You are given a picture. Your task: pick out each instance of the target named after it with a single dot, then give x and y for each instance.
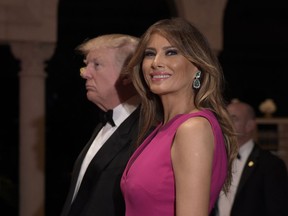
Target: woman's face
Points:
(165, 69)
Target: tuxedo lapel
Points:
(76, 170)
(125, 135)
(250, 166)
(81, 156)
(116, 142)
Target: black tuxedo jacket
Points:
(100, 193)
(263, 187)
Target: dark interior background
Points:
(254, 56)
(254, 60)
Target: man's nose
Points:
(83, 72)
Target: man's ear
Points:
(126, 80)
(251, 125)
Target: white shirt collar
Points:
(123, 110)
(246, 149)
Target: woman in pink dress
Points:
(182, 166)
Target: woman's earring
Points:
(196, 82)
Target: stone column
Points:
(32, 125)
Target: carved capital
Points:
(32, 56)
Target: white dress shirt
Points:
(120, 113)
(225, 202)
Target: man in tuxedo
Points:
(260, 182)
(95, 182)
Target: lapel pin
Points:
(251, 163)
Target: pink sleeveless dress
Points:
(148, 181)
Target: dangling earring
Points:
(196, 82)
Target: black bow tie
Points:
(107, 117)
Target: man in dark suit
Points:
(260, 182)
(95, 183)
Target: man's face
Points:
(101, 73)
(241, 122)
